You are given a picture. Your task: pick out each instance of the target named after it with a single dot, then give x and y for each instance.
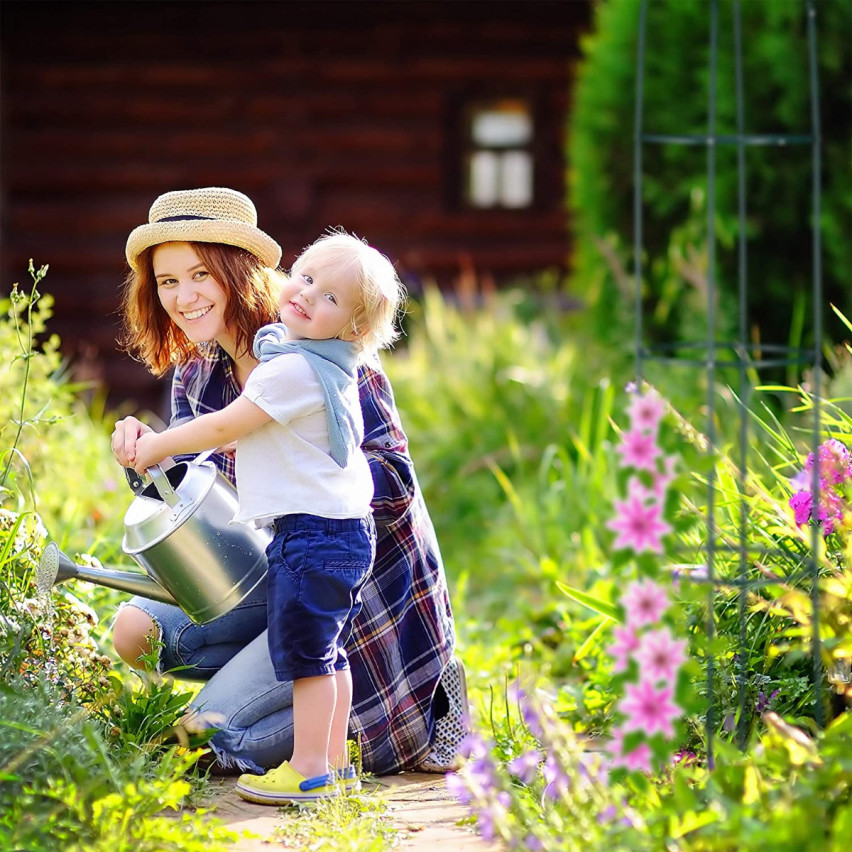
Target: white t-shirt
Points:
(284, 467)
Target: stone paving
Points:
(419, 804)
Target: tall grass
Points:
(508, 429)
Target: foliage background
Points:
(778, 188)
(512, 410)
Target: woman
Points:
(198, 310)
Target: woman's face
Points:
(190, 295)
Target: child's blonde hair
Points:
(381, 293)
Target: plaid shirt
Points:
(403, 636)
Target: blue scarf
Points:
(335, 363)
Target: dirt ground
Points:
(419, 804)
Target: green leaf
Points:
(601, 607)
(591, 639)
(691, 821)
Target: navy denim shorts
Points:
(317, 567)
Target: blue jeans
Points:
(317, 568)
(241, 696)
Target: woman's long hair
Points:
(148, 332)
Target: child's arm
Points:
(209, 430)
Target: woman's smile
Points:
(190, 295)
(197, 313)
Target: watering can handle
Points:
(163, 486)
(202, 457)
(135, 481)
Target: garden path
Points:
(419, 805)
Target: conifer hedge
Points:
(779, 189)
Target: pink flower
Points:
(637, 489)
(664, 477)
(801, 503)
(649, 709)
(835, 464)
(644, 601)
(660, 655)
(639, 524)
(646, 411)
(638, 450)
(638, 758)
(626, 642)
(829, 512)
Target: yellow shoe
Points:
(283, 786)
(348, 777)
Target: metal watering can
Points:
(179, 529)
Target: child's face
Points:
(318, 301)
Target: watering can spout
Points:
(55, 567)
(179, 530)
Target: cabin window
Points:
(498, 166)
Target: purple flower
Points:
(830, 511)
(457, 788)
(482, 772)
(556, 780)
(835, 465)
(485, 824)
(835, 469)
(801, 481)
(472, 745)
(487, 817)
(764, 701)
(525, 766)
(532, 720)
(608, 814)
(801, 503)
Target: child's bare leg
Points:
(314, 701)
(337, 752)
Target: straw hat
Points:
(210, 215)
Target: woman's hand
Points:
(124, 437)
(228, 449)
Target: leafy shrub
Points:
(86, 761)
(778, 189)
(61, 464)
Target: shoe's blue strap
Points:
(317, 781)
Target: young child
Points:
(299, 466)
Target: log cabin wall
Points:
(324, 113)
